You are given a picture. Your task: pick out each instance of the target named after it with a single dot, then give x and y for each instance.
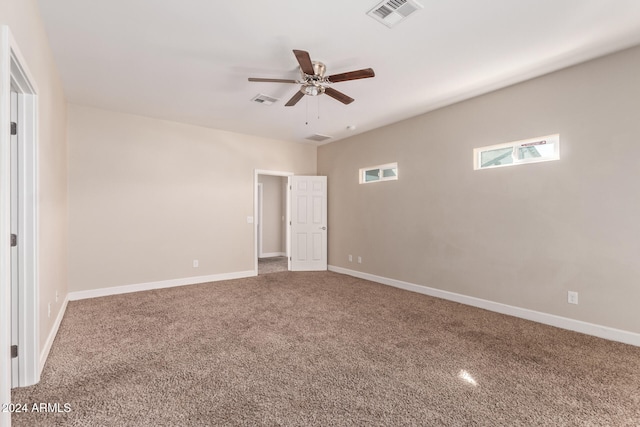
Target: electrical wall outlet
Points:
(350, 258)
(359, 260)
(572, 297)
(57, 295)
(195, 263)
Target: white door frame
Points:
(259, 218)
(15, 225)
(257, 172)
(13, 72)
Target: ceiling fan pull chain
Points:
(307, 116)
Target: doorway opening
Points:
(271, 220)
(305, 220)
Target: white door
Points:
(308, 223)
(15, 380)
(259, 218)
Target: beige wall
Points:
(23, 19)
(147, 197)
(273, 211)
(521, 235)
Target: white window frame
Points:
(381, 169)
(516, 145)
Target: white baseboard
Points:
(272, 254)
(44, 352)
(102, 292)
(605, 332)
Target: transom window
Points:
(541, 149)
(379, 173)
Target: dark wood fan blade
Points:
(305, 61)
(338, 95)
(256, 79)
(352, 75)
(294, 99)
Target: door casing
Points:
(15, 75)
(256, 214)
(15, 250)
(259, 218)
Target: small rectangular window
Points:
(541, 149)
(386, 172)
(389, 173)
(372, 175)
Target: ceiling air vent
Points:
(264, 99)
(390, 12)
(319, 137)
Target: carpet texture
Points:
(323, 349)
(272, 264)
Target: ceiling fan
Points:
(313, 81)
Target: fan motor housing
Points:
(313, 84)
(319, 68)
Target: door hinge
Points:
(14, 128)
(14, 240)
(14, 351)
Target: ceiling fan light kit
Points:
(314, 82)
(312, 90)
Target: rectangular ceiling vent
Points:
(319, 137)
(390, 12)
(264, 99)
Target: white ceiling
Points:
(189, 60)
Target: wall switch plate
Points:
(195, 263)
(57, 295)
(49, 310)
(350, 258)
(572, 297)
(359, 260)
(249, 220)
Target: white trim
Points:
(5, 226)
(13, 70)
(381, 169)
(117, 290)
(516, 160)
(272, 254)
(44, 353)
(287, 223)
(259, 218)
(257, 172)
(600, 331)
(29, 331)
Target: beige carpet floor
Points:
(272, 265)
(323, 349)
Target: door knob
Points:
(323, 228)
